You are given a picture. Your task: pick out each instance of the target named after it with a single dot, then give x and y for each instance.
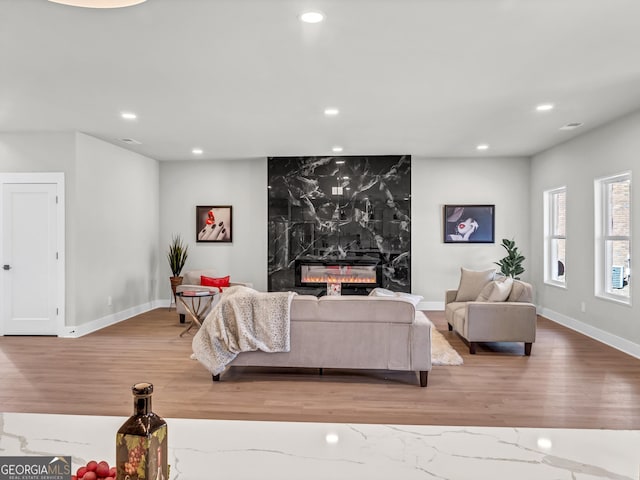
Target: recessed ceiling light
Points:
(339, 162)
(99, 3)
(128, 115)
(197, 151)
(545, 107)
(571, 126)
(482, 146)
(312, 17)
(337, 149)
(331, 111)
(345, 178)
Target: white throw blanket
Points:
(243, 320)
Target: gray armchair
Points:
(513, 320)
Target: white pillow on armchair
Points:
(496, 291)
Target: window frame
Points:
(550, 235)
(603, 211)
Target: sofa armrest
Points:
(421, 342)
(501, 322)
(244, 284)
(450, 296)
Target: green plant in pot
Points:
(511, 265)
(177, 256)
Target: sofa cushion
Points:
(496, 291)
(459, 321)
(521, 292)
(383, 292)
(471, 283)
(413, 298)
(192, 277)
(352, 308)
(452, 308)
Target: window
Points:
(613, 237)
(555, 236)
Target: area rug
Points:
(442, 353)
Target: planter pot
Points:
(175, 281)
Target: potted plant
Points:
(177, 256)
(511, 265)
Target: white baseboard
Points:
(607, 338)
(100, 323)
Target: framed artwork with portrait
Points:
(469, 223)
(213, 223)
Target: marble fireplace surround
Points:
(340, 210)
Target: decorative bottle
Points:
(141, 441)
(159, 473)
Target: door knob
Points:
(6, 267)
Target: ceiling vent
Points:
(571, 126)
(130, 141)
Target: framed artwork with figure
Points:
(213, 223)
(469, 223)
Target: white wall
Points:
(608, 150)
(118, 231)
(239, 183)
(37, 152)
(47, 152)
(435, 182)
(503, 182)
(111, 231)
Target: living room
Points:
(123, 207)
(120, 191)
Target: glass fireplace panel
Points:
(338, 274)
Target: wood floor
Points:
(569, 381)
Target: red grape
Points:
(92, 465)
(103, 469)
(90, 476)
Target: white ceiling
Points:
(245, 78)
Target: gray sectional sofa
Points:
(352, 332)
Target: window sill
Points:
(551, 283)
(626, 301)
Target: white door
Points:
(29, 259)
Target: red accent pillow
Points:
(214, 282)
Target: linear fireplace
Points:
(355, 272)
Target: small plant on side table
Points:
(177, 257)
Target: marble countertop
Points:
(227, 449)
